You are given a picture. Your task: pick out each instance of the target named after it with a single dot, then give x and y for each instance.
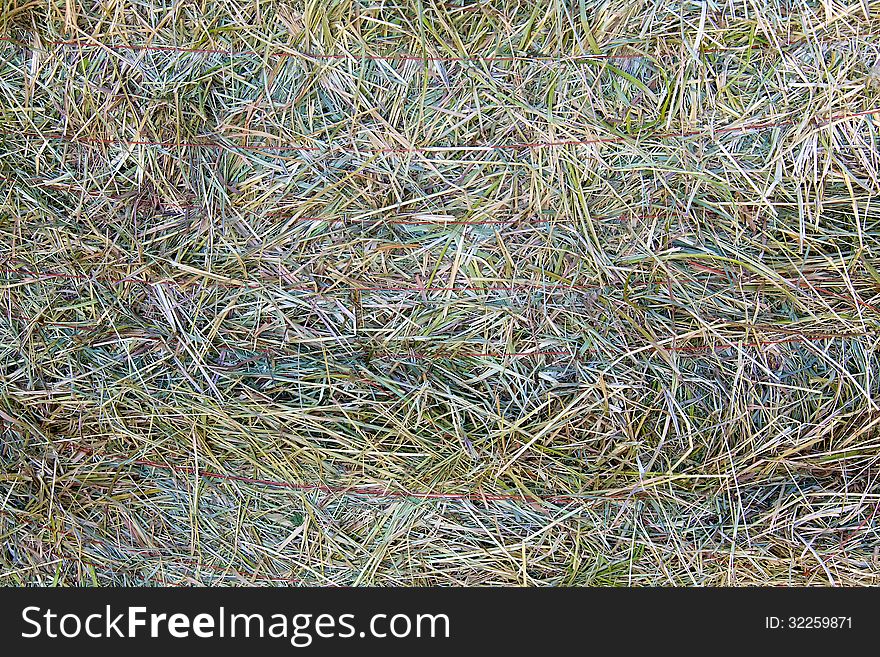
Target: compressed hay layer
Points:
(439, 293)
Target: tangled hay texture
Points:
(421, 292)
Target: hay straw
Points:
(439, 293)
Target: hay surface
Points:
(439, 293)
